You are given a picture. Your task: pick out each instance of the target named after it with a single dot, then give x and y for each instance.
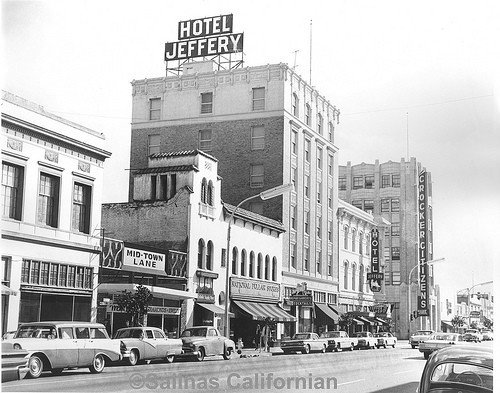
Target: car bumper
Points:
(14, 373)
(293, 348)
(125, 354)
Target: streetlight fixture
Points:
(432, 261)
(264, 195)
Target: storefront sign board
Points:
(244, 288)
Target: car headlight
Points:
(17, 346)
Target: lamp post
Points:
(268, 194)
(409, 287)
(469, 299)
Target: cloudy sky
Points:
(384, 64)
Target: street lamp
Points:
(409, 287)
(264, 195)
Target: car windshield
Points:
(129, 333)
(471, 331)
(330, 335)
(301, 336)
(424, 332)
(462, 373)
(362, 334)
(444, 337)
(37, 331)
(200, 332)
(381, 335)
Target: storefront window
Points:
(82, 308)
(29, 307)
(57, 308)
(44, 277)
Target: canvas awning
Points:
(261, 311)
(215, 309)
(383, 322)
(357, 321)
(336, 310)
(366, 320)
(447, 323)
(328, 312)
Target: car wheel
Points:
(201, 354)
(35, 365)
(307, 349)
(97, 364)
(56, 371)
(227, 353)
(134, 357)
(324, 349)
(426, 355)
(413, 346)
(170, 358)
(394, 345)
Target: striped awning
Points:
(328, 312)
(381, 321)
(261, 311)
(215, 309)
(357, 321)
(366, 320)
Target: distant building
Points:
(52, 180)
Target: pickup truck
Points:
(305, 343)
(339, 340)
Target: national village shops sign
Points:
(242, 288)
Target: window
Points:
(201, 253)
(48, 200)
(294, 142)
(394, 205)
(35, 272)
(294, 178)
(367, 245)
(82, 332)
(320, 157)
(330, 264)
(81, 208)
(396, 278)
(223, 258)
(346, 274)
(158, 334)
(307, 185)
(153, 144)
(306, 222)
(66, 333)
(293, 255)
(318, 262)
(385, 205)
(353, 240)
(346, 237)
(256, 176)
(386, 181)
(54, 274)
(149, 334)
(368, 205)
(210, 193)
(395, 230)
(353, 277)
(369, 180)
(320, 124)
(294, 217)
(361, 278)
(318, 227)
(258, 99)
(396, 180)
(204, 186)
(258, 137)
(307, 150)
(330, 231)
(205, 140)
(79, 277)
(395, 253)
(358, 203)
(266, 268)
(330, 131)
(275, 269)
(319, 187)
(154, 109)
(259, 265)
(44, 273)
(63, 272)
(243, 266)
(308, 115)
(206, 102)
(330, 165)
(330, 198)
(332, 298)
(342, 183)
(295, 105)
(235, 261)
(257, 207)
(251, 264)
(360, 244)
(12, 190)
(357, 182)
(306, 259)
(209, 256)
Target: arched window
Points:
(275, 268)
(204, 190)
(320, 124)
(259, 265)
(346, 238)
(361, 277)
(361, 236)
(235, 261)
(353, 277)
(308, 115)
(243, 266)
(368, 241)
(210, 255)
(251, 265)
(346, 274)
(353, 240)
(295, 105)
(266, 268)
(330, 131)
(201, 253)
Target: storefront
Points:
(327, 318)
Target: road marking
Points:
(347, 383)
(402, 372)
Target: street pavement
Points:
(378, 370)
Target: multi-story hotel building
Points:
(266, 126)
(390, 190)
(52, 179)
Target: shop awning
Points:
(383, 322)
(215, 309)
(357, 321)
(261, 311)
(7, 291)
(366, 320)
(446, 323)
(335, 309)
(161, 292)
(328, 311)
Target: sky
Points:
(418, 74)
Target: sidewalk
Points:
(251, 352)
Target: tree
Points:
(345, 321)
(473, 325)
(135, 305)
(457, 321)
(488, 323)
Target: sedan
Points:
(305, 343)
(14, 363)
(385, 339)
(147, 343)
(438, 341)
(366, 340)
(202, 341)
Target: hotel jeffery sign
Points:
(204, 37)
(423, 251)
(375, 277)
(252, 289)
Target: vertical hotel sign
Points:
(423, 251)
(375, 277)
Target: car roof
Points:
(63, 323)
(481, 356)
(139, 327)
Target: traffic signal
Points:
(478, 295)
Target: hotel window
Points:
(330, 164)
(385, 205)
(153, 144)
(258, 99)
(295, 136)
(256, 176)
(306, 259)
(318, 227)
(320, 124)
(386, 181)
(330, 264)
(320, 157)
(395, 230)
(330, 131)
(330, 231)
(306, 222)
(346, 237)
(358, 203)
(396, 180)
(394, 205)
(294, 217)
(346, 275)
(330, 198)
(295, 105)
(259, 265)
(48, 200)
(205, 140)
(319, 187)
(258, 137)
(342, 183)
(81, 208)
(307, 185)
(308, 115)
(293, 255)
(154, 108)
(368, 205)
(294, 178)
(12, 190)
(307, 150)
(251, 265)
(353, 240)
(357, 182)
(395, 253)
(318, 262)
(206, 102)
(369, 180)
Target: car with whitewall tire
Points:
(366, 340)
(385, 339)
(202, 341)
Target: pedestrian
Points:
(257, 337)
(265, 336)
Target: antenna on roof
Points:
(295, 59)
(310, 50)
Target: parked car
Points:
(147, 343)
(8, 335)
(487, 335)
(438, 341)
(385, 339)
(202, 341)
(366, 340)
(472, 335)
(458, 369)
(305, 343)
(419, 337)
(55, 346)
(14, 362)
(339, 340)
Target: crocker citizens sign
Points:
(423, 291)
(143, 261)
(243, 289)
(204, 37)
